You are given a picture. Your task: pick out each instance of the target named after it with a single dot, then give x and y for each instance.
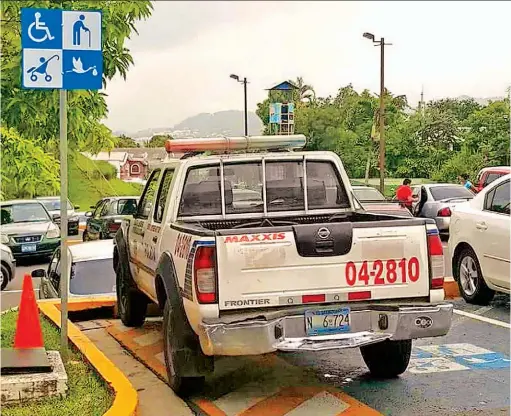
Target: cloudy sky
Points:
(186, 51)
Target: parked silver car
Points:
(52, 205)
(8, 266)
(437, 200)
(28, 229)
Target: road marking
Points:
(323, 403)
(256, 395)
(454, 357)
(482, 318)
(15, 291)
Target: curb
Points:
(126, 397)
(451, 289)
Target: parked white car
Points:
(479, 243)
(90, 270)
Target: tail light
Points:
(444, 212)
(113, 227)
(436, 260)
(205, 276)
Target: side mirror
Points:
(55, 217)
(77, 206)
(88, 214)
(39, 273)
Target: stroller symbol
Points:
(42, 69)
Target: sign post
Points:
(61, 49)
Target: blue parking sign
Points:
(61, 49)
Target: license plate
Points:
(28, 248)
(327, 322)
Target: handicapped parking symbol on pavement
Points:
(454, 357)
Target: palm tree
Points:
(306, 92)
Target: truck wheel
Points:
(85, 236)
(387, 359)
(174, 341)
(131, 304)
(470, 279)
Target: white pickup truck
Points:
(254, 252)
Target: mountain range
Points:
(221, 123)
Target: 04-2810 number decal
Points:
(383, 272)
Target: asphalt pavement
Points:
(464, 373)
(10, 297)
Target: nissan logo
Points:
(423, 322)
(323, 233)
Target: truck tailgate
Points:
(321, 263)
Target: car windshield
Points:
(440, 193)
(126, 206)
(92, 277)
(368, 194)
(54, 204)
(244, 188)
(23, 213)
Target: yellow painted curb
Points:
(126, 397)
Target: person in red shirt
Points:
(404, 194)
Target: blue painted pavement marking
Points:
(484, 361)
(455, 357)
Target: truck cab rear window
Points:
(243, 188)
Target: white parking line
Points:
(482, 318)
(16, 291)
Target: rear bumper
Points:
(287, 333)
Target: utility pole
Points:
(382, 116)
(382, 45)
(246, 105)
(244, 82)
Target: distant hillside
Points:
(478, 100)
(226, 123)
(90, 181)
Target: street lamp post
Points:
(244, 82)
(382, 45)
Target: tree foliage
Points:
(124, 141)
(448, 137)
(158, 140)
(27, 170)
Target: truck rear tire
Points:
(131, 303)
(174, 341)
(387, 359)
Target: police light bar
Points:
(226, 144)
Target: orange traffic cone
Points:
(28, 327)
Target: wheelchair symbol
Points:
(41, 27)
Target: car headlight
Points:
(53, 233)
(4, 239)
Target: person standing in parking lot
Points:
(404, 194)
(463, 178)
